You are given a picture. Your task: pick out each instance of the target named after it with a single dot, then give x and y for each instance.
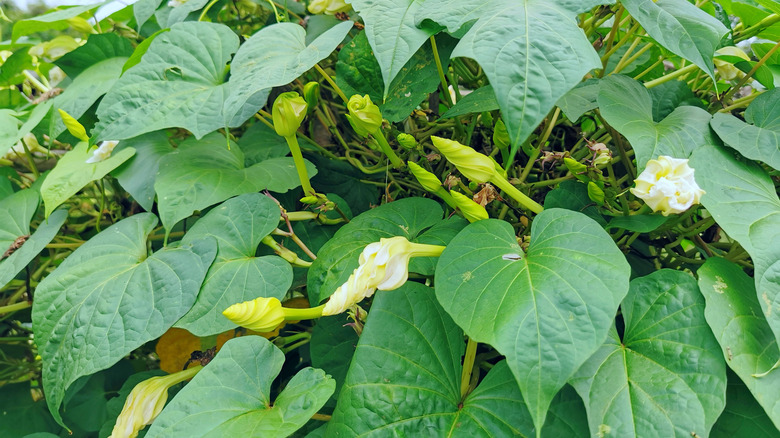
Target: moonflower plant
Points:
(265, 314)
(102, 152)
(146, 401)
(667, 185)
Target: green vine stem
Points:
(468, 367)
(385, 146)
(675, 74)
(332, 83)
(752, 71)
(15, 307)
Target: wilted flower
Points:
(384, 265)
(288, 113)
(146, 401)
(102, 152)
(602, 154)
(364, 116)
(328, 7)
(667, 185)
(471, 210)
(265, 314)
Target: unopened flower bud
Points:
(289, 110)
(74, 127)
(311, 93)
(407, 141)
(364, 116)
(261, 314)
(471, 210)
(473, 165)
(426, 179)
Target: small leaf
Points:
(670, 95)
(664, 378)
(736, 318)
(231, 396)
(580, 99)
(642, 223)
(546, 310)
(238, 225)
(72, 173)
(759, 140)
(100, 303)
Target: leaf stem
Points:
(15, 307)
(444, 87)
(379, 136)
(332, 83)
(675, 74)
(468, 367)
(300, 165)
(208, 6)
(538, 149)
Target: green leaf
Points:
(13, 67)
(72, 173)
(546, 310)
(664, 378)
(143, 10)
(512, 42)
(680, 27)
(180, 82)
(46, 231)
(56, 20)
(9, 138)
(231, 396)
(274, 56)
(743, 200)
(627, 106)
(670, 95)
(339, 257)
(392, 33)
(760, 139)
(260, 142)
(137, 175)
(180, 12)
(108, 298)
(735, 316)
(205, 172)
(480, 100)
(99, 47)
(580, 99)
(405, 379)
(21, 414)
(332, 346)
(16, 212)
(238, 225)
(573, 195)
(743, 416)
(440, 234)
(642, 223)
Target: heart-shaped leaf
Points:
(231, 396)
(339, 257)
(748, 344)
(681, 27)
(204, 172)
(546, 310)
(743, 416)
(743, 200)
(628, 107)
(332, 346)
(137, 175)
(34, 244)
(760, 139)
(411, 349)
(108, 298)
(73, 172)
(512, 41)
(236, 275)
(665, 378)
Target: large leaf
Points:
(46, 231)
(99, 47)
(743, 200)
(681, 27)
(391, 31)
(108, 298)
(748, 344)
(628, 107)
(669, 95)
(742, 416)
(73, 172)
(665, 378)
(137, 175)
(180, 82)
(204, 172)
(547, 310)
(532, 51)
(236, 275)
(404, 380)
(759, 138)
(339, 257)
(231, 396)
(274, 56)
(332, 346)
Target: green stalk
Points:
(444, 87)
(385, 146)
(675, 74)
(15, 307)
(517, 195)
(300, 165)
(468, 367)
(752, 71)
(332, 83)
(293, 314)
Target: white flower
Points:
(384, 265)
(328, 7)
(102, 152)
(667, 185)
(146, 401)
(175, 3)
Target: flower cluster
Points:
(667, 185)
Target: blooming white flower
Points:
(146, 401)
(667, 185)
(384, 265)
(102, 152)
(328, 7)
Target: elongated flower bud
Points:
(146, 401)
(261, 314)
(473, 165)
(288, 113)
(426, 179)
(311, 93)
(74, 127)
(364, 116)
(471, 210)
